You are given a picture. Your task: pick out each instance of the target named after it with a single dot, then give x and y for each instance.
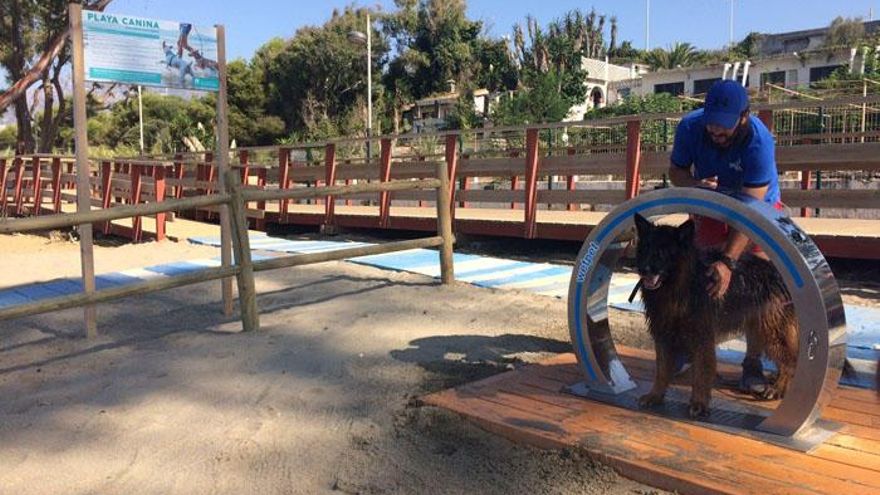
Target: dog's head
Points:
(660, 249)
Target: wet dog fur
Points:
(684, 319)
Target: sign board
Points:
(135, 50)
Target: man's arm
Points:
(737, 242)
(681, 177)
(719, 273)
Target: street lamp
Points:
(360, 38)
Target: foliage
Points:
(637, 105)
(678, 55)
(436, 43)
(320, 75)
(845, 31)
(749, 46)
(539, 102)
(7, 139)
(463, 115)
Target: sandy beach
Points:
(173, 398)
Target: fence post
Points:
(19, 178)
(37, 185)
(444, 221)
(179, 173)
(136, 181)
(514, 181)
(284, 165)
(159, 191)
(633, 157)
(384, 176)
(451, 170)
(56, 184)
(3, 172)
(329, 226)
(106, 191)
(241, 245)
(531, 186)
(805, 185)
(571, 183)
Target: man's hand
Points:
(719, 279)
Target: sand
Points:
(173, 398)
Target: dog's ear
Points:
(686, 232)
(643, 226)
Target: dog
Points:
(685, 320)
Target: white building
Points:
(600, 75)
(793, 59)
(788, 69)
(430, 114)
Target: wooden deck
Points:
(529, 406)
(836, 237)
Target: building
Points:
(430, 114)
(793, 59)
(600, 75)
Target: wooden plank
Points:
(593, 164)
(584, 196)
(854, 156)
(526, 405)
(833, 198)
(492, 195)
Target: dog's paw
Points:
(650, 400)
(698, 409)
(770, 392)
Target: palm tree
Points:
(679, 55)
(612, 45)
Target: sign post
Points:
(134, 50)
(222, 167)
(83, 188)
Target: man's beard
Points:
(739, 133)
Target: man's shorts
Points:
(712, 234)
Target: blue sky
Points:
(702, 22)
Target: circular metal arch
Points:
(814, 292)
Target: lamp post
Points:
(360, 38)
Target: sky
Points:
(704, 23)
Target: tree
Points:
(249, 124)
(845, 32)
(678, 55)
(31, 28)
(436, 43)
(463, 115)
(749, 47)
(539, 102)
(318, 80)
(551, 62)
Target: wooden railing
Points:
(519, 163)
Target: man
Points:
(722, 146)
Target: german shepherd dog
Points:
(685, 320)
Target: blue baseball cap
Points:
(725, 102)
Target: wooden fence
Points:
(235, 197)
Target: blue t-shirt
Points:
(750, 162)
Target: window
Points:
(701, 86)
(675, 89)
(777, 78)
(819, 73)
(795, 44)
